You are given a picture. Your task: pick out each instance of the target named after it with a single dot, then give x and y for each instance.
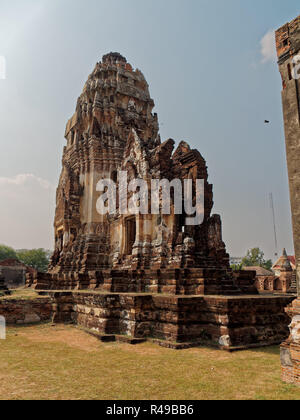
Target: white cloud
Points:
(268, 47)
(27, 205)
(25, 180)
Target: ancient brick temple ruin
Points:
(113, 130)
(14, 273)
(144, 275)
(285, 274)
(282, 278)
(288, 49)
(3, 287)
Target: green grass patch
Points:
(63, 362)
(21, 294)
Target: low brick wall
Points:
(18, 311)
(229, 322)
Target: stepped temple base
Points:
(231, 323)
(172, 281)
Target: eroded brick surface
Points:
(18, 312)
(223, 321)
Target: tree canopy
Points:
(35, 258)
(7, 252)
(255, 257)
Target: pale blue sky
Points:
(212, 88)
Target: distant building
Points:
(236, 260)
(14, 273)
(281, 279)
(265, 279)
(282, 261)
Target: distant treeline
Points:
(35, 258)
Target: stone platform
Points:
(170, 281)
(231, 323)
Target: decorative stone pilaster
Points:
(290, 349)
(189, 250)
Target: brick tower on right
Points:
(288, 50)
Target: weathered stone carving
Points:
(113, 130)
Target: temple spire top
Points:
(113, 57)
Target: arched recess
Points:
(130, 234)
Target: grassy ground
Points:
(22, 293)
(62, 362)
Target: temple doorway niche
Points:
(181, 222)
(60, 239)
(130, 234)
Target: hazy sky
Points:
(213, 76)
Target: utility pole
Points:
(274, 224)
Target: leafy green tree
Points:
(237, 267)
(255, 257)
(35, 258)
(7, 252)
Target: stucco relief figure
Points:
(295, 329)
(162, 234)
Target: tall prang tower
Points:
(113, 131)
(288, 47)
(114, 101)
